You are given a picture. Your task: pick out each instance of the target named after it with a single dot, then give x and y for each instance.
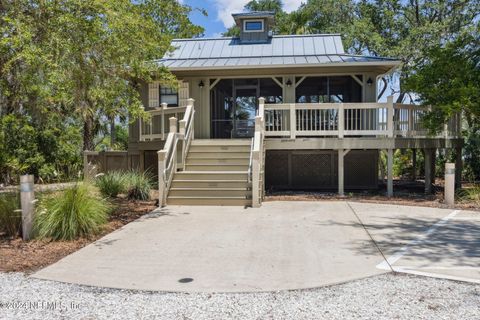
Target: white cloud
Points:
(225, 8)
(291, 5)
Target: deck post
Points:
(27, 199)
(390, 172)
(433, 172)
(428, 170)
(341, 171)
(390, 113)
(414, 164)
(341, 120)
(293, 121)
(459, 167)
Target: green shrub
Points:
(471, 195)
(138, 185)
(112, 183)
(75, 212)
(10, 214)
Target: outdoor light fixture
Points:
(288, 83)
(369, 81)
(201, 84)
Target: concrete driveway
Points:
(282, 245)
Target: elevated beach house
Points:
(262, 111)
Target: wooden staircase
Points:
(216, 173)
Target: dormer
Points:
(255, 27)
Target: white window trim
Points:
(257, 20)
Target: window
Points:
(253, 26)
(169, 96)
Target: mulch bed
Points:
(17, 255)
(398, 199)
(407, 193)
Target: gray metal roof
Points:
(254, 14)
(280, 51)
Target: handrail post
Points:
(161, 178)
(261, 106)
(173, 124)
(191, 103)
(162, 118)
(390, 112)
(293, 121)
(341, 120)
(181, 137)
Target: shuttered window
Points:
(169, 96)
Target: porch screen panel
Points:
(275, 120)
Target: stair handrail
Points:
(250, 162)
(167, 162)
(168, 157)
(186, 131)
(257, 155)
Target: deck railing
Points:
(156, 127)
(381, 119)
(179, 138)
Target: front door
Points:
(245, 108)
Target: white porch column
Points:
(390, 172)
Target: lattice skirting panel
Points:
(318, 169)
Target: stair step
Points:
(215, 155)
(219, 161)
(210, 184)
(220, 149)
(209, 201)
(216, 167)
(221, 142)
(210, 192)
(213, 175)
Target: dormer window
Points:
(253, 26)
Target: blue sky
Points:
(219, 13)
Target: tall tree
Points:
(85, 57)
(448, 79)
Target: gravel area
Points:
(382, 297)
